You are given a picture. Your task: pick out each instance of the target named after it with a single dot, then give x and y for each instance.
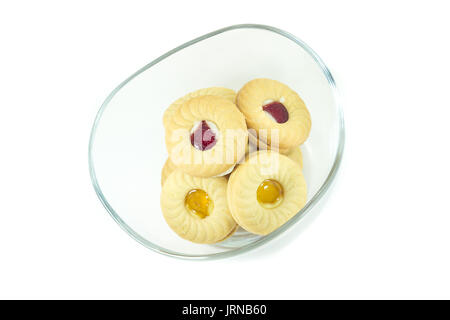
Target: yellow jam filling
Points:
(269, 193)
(198, 203)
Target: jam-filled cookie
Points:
(207, 137)
(275, 111)
(167, 169)
(225, 93)
(196, 208)
(266, 191)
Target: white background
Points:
(383, 231)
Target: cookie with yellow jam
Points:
(226, 93)
(266, 191)
(207, 137)
(275, 111)
(196, 208)
(167, 169)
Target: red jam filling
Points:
(278, 111)
(203, 138)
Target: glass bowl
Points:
(127, 150)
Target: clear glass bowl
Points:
(127, 151)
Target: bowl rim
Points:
(265, 239)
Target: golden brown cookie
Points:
(207, 137)
(225, 93)
(196, 208)
(167, 169)
(275, 111)
(266, 191)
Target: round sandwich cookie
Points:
(196, 208)
(266, 191)
(167, 169)
(294, 153)
(262, 145)
(275, 112)
(225, 93)
(208, 136)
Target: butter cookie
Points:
(296, 155)
(226, 93)
(254, 145)
(167, 169)
(196, 208)
(275, 111)
(266, 191)
(208, 136)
